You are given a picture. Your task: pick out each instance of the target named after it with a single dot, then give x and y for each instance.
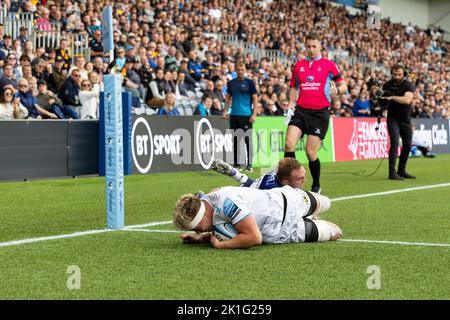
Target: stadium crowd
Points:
(173, 61)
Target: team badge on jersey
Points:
(230, 209)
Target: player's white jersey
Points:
(277, 223)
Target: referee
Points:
(311, 91)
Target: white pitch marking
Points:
(424, 244)
(152, 230)
(367, 195)
(63, 236)
(158, 223)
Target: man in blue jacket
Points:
(69, 94)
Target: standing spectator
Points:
(242, 97)
(69, 94)
(23, 36)
(311, 113)
(10, 107)
(169, 108)
(89, 98)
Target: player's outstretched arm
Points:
(249, 236)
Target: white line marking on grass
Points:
(158, 223)
(423, 244)
(63, 236)
(376, 194)
(152, 230)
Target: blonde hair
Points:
(185, 210)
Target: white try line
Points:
(158, 223)
(422, 244)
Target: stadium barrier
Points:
(63, 148)
(48, 148)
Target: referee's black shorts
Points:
(311, 121)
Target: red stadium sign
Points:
(360, 139)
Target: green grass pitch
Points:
(155, 265)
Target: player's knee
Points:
(322, 203)
(311, 153)
(327, 231)
(290, 144)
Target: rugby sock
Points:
(314, 167)
(238, 176)
(289, 154)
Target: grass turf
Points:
(142, 265)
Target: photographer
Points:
(399, 93)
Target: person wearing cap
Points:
(59, 75)
(275, 216)
(48, 100)
(23, 36)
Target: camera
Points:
(380, 104)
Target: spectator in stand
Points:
(8, 77)
(96, 45)
(69, 94)
(361, 106)
(59, 74)
(168, 107)
(89, 98)
(24, 60)
(156, 94)
(10, 107)
(48, 100)
(40, 71)
(30, 102)
(204, 107)
(23, 36)
(195, 68)
(132, 81)
(80, 63)
(63, 52)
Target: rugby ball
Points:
(224, 231)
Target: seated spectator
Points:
(80, 63)
(156, 94)
(8, 77)
(58, 76)
(63, 52)
(24, 60)
(204, 107)
(183, 91)
(40, 71)
(69, 94)
(132, 80)
(361, 106)
(89, 98)
(30, 102)
(194, 67)
(169, 108)
(216, 108)
(10, 107)
(48, 100)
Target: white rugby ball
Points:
(224, 231)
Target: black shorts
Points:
(311, 121)
(240, 122)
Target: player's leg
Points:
(319, 204)
(312, 147)
(222, 167)
(293, 134)
(321, 231)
